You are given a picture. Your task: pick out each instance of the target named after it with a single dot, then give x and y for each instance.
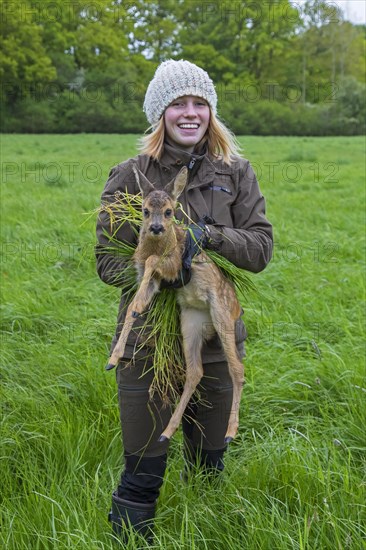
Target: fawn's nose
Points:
(156, 228)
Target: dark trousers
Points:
(143, 420)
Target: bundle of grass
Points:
(162, 322)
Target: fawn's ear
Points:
(145, 186)
(175, 187)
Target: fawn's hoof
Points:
(163, 438)
(109, 366)
(228, 440)
(135, 314)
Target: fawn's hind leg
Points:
(145, 293)
(192, 327)
(225, 327)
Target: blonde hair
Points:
(221, 142)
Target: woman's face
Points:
(186, 121)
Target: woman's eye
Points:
(146, 212)
(168, 213)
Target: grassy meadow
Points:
(295, 474)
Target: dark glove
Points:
(196, 240)
(182, 280)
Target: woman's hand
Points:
(196, 240)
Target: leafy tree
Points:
(155, 29)
(23, 58)
(250, 37)
(84, 66)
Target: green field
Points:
(295, 475)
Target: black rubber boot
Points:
(136, 514)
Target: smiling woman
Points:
(225, 212)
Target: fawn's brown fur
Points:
(208, 300)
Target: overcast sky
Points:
(354, 10)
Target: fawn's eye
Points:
(168, 213)
(146, 212)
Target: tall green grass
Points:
(295, 475)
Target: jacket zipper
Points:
(191, 163)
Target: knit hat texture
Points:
(175, 79)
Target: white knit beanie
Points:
(175, 79)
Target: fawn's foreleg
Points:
(192, 327)
(145, 293)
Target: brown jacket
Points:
(228, 194)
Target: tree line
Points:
(279, 67)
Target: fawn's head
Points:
(158, 206)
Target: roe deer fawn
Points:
(208, 300)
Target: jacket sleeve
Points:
(111, 228)
(249, 243)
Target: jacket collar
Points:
(174, 158)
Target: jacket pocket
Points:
(219, 196)
(240, 331)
